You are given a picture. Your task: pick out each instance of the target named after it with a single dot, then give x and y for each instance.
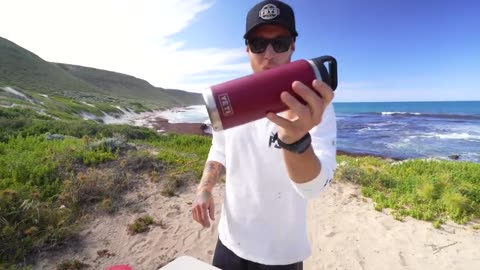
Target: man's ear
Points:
(293, 46)
(247, 49)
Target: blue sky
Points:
(386, 50)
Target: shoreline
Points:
(162, 125)
(431, 143)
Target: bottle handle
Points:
(329, 76)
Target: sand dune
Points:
(347, 233)
(344, 229)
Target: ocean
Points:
(395, 129)
(411, 129)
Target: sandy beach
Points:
(345, 232)
(344, 229)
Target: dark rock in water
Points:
(454, 157)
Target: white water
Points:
(191, 114)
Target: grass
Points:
(71, 264)
(423, 189)
(53, 172)
(182, 154)
(26, 122)
(38, 176)
(183, 158)
(141, 224)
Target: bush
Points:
(32, 173)
(71, 264)
(424, 189)
(29, 123)
(140, 225)
(28, 224)
(95, 187)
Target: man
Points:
(272, 165)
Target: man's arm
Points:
(204, 206)
(311, 170)
(302, 167)
(212, 172)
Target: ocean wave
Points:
(431, 115)
(365, 129)
(380, 124)
(401, 113)
(449, 136)
(191, 114)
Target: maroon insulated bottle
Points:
(250, 98)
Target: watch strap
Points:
(299, 146)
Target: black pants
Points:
(225, 259)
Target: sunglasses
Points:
(279, 45)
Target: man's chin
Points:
(263, 68)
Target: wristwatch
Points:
(297, 147)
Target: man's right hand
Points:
(203, 208)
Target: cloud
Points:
(132, 37)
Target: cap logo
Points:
(269, 11)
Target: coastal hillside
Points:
(129, 87)
(69, 91)
(23, 69)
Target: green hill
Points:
(68, 91)
(129, 87)
(21, 68)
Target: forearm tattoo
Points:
(211, 174)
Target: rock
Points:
(454, 157)
(51, 137)
(113, 144)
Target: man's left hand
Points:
(300, 118)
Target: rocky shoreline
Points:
(163, 125)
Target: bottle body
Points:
(251, 97)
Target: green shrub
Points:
(182, 153)
(424, 189)
(72, 264)
(103, 188)
(140, 225)
(32, 179)
(28, 224)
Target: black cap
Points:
(271, 12)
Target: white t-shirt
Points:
(264, 212)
